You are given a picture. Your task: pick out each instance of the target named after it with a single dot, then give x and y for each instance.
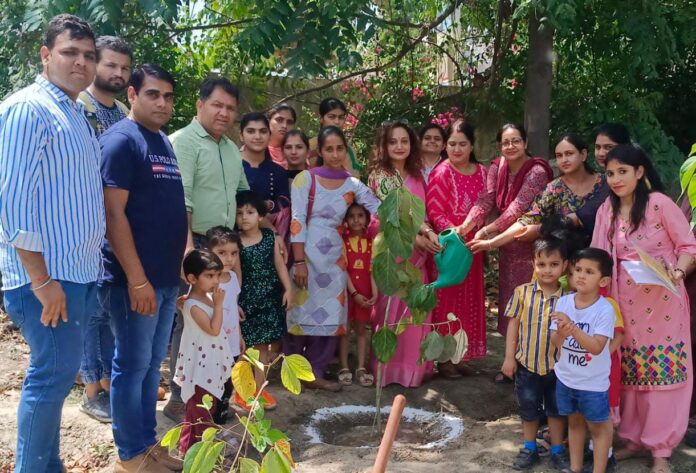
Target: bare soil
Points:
(489, 443)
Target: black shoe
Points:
(525, 460)
(588, 464)
(560, 461)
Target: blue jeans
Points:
(99, 342)
(593, 405)
(141, 345)
(54, 360)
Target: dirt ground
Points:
(490, 440)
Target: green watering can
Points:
(453, 261)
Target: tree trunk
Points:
(537, 103)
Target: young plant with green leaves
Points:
(221, 448)
(401, 216)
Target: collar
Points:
(57, 94)
(537, 288)
(202, 132)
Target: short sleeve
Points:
(365, 197)
(515, 304)
(618, 317)
(117, 165)
(605, 320)
(186, 157)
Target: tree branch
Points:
(211, 26)
(401, 24)
(451, 58)
(425, 30)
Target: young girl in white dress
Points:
(204, 359)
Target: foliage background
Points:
(614, 60)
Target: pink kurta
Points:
(515, 259)
(450, 196)
(403, 368)
(656, 350)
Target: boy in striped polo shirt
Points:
(530, 355)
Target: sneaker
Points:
(588, 464)
(96, 408)
(140, 464)
(560, 461)
(161, 455)
(526, 459)
(174, 410)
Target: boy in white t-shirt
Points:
(225, 243)
(582, 325)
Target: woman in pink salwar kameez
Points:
(453, 189)
(397, 164)
(656, 350)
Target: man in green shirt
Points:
(210, 162)
(212, 174)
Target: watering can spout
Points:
(453, 261)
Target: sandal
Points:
(345, 377)
(364, 378)
(448, 371)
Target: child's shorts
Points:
(536, 394)
(593, 405)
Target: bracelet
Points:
(140, 286)
(45, 283)
(429, 230)
(300, 262)
(682, 272)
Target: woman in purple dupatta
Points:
(397, 163)
(320, 199)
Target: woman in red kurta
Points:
(453, 188)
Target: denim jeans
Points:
(99, 342)
(141, 345)
(54, 360)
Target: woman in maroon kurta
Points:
(453, 189)
(514, 180)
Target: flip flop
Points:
(365, 379)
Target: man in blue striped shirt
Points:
(51, 229)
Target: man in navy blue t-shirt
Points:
(146, 233)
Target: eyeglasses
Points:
(513, 142)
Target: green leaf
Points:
(207, 402)
(171, 439)
(247, 465)
(384, 272)
(384, 343)
(419, 316)
(209, 434)
(275, 435)
(432, 346)
(191, 455)
(422, 297)
(275, 462)
(299, 365)
(462, 346)
(253, 356)
(289, 379)
(449, 348)
(389, 210)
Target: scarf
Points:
(503, 197)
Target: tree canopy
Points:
(612, 60)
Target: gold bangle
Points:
(140, 286)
